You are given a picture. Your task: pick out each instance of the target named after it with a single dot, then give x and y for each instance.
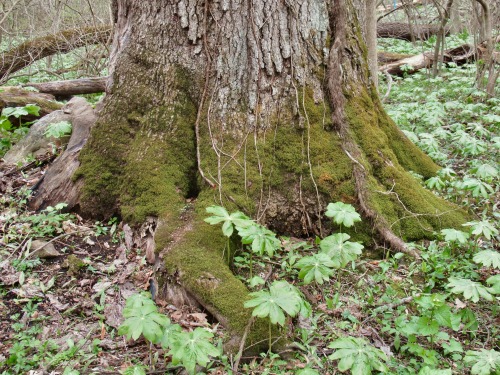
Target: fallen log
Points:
(28, 52)
(71, 87)
(460, 55)
(17, 97)
(401, 30)
(384, 57)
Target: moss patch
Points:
(199, 261)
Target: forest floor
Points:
(60, 304)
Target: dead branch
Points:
(71, 87)
(401, 30)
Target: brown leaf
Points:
(199, 317)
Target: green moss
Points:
(141, 158)
(199, 262)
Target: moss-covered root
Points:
(197, 261)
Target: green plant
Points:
(488, 258)
(186, 348)
(358, 356)
(340, 250)
(484, 362)
(280, 298)
(142, 318)
(58, 129)
(470, 289)
(9, 134)
(342, 214)
(191, 348)
(317, 267)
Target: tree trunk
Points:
(28, 52)
(261, 106)
(371, 38)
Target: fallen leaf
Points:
(56, 303)
(199, 317)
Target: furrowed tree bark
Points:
(71, 87)
(400, 30)
(260, 106)
(28, 52)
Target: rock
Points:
(44, 249)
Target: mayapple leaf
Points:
(494, 281)
(281, 298)
(262, 239)
(488, 258)
(483, 227)
(358, 355)
(470, 289)
(342, 214)
(220, 215)
(317, 267)
(484, 362)
(58, 129)
(340, 250)
(142, 318)
(453, 235)
(192, 348)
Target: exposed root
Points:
(338, 23)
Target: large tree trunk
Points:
(262, 106)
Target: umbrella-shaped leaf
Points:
(470, 289)
(281, 298)
(342, 214)
(340, 250)
(317, 267)
(488, 258)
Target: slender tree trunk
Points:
(371, 38)
(444, 15)
(262, 106)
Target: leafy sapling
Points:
(280, 298)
